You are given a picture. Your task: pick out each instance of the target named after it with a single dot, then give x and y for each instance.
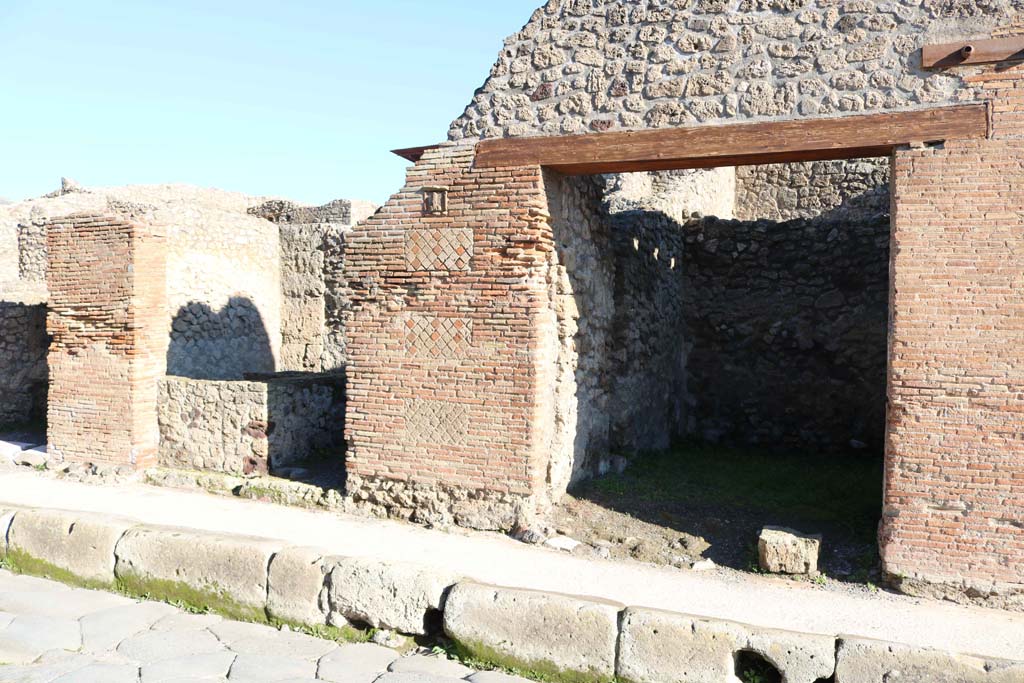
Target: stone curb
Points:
(561, 637)
(543, 633)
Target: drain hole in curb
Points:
(752, 667)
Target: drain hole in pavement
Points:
(752, 667)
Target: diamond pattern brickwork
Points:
(432, 336)
(436, 423)
(438, 249)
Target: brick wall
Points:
(954, 500)
(107, 320)
(444, 420)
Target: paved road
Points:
(50, 633)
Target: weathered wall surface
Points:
(249, 427)
(954, 483)
(23, 347)
(8, 254)
(312, 264)
(842, 190)
(448, 318)
(787, 324)
(223, 269)
(108, 339)
(582, 66)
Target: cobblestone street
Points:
(51, 633)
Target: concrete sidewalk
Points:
(760, 601)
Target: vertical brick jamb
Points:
(953, 520)
(446, 288)
(108, 322)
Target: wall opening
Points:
(721, 342)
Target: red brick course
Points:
(954, 501)
(108, 321)
(443, 376)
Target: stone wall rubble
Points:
(23, 347)
(580, 66)
(250, 427)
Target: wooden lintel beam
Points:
(740, 144)
(413, 154)
(967, 52)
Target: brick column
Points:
(954, 485)
(108, 320)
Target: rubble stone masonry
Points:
(107, 319)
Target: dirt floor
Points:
(696, 503)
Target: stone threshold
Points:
(552, 636)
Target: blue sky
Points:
(301, 98)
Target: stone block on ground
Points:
(392, 595)
(784, 551)
(297, 578)
(104, 630)
(561, 636)
(11, 449)
(224, 574)
(678, 648)
(74, 547)
(860, 660)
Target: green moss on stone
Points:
(20, 562)
(343, 634)
(480, 655)
(202, 600)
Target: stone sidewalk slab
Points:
(763, 602)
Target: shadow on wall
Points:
(748, 333)
(219, 345)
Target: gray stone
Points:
(102, 631)
(871, 661)
(180, 621)
(101, 672)
(534, 630)
(495, 677)
(296, 582)
(255, 639)
(436, 665)
(45, 671)
(73, 604)
(28, 637)
(393, 595)
(252, 667)
(356, 663)
(677, 648)
(6, 517)
(77, 542)
(156, 646)
(230, 570)
(32, 457)
(205, 666)
(784, 551)
(415, 678)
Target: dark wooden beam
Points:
(966, 52)
(413, 154)
(740, 144)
